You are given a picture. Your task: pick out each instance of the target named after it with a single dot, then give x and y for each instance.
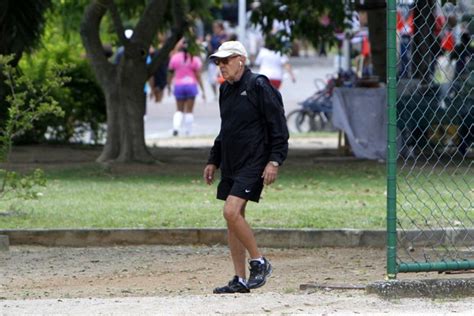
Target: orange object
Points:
(275, 83)
(365, 51)
(440, 21)
(399, 22)
(220, 79)
(447, 43)
(405, 26)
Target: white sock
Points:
(188, 122)
(258, 259)
(177, 120)
(243, 281)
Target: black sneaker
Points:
(234, 286)
(259, 272)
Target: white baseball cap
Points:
(128, 33)
(230, 48)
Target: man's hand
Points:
(270, 174)
(209, 172)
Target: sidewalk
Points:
(328, 142)
(158, 121)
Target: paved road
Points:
(158, 123)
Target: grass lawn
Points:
(311, 194)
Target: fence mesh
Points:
(435, 122)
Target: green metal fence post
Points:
(391, 140)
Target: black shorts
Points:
(161, 77)
(247, 188)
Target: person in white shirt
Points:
(273, 64)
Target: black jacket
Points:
(241, 148)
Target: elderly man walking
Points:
(251, 146)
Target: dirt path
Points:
(176, 280)
(39, 272)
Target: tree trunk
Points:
(125, 128)
(132, 112)
(112, 145)
(377, 20)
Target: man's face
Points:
(230, 66)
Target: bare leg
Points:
(240, 235)
(188, 105)
(159, 95)
(180, 105)
(237, 251)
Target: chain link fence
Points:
(432, 87)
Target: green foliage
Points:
(304, 18)
(81, 98)
(16, 186)
(67, 15)
(83, 102)
(27, 102)
(23, 111)
(63, 22)
(21, 24)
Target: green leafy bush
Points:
(27, 104)
(81, 98)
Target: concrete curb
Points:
(432, 288)
(276, 238)
(4, 243)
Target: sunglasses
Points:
(224, 61)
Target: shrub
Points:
(27, 105)
(81, 100)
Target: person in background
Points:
(462, 53)
(272, 64)
(405, 29)
(159, 80)
(120, 51)
(185, 73)
(108, 50)
(218, 37)
(251, 145)
(253, 34)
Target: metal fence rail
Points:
(430, 209)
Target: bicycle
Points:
(315, 112)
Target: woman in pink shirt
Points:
(185, 72)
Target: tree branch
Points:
(117, 21)
(177, 32)
(90, 26)
(179, 13)
(151, 19)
